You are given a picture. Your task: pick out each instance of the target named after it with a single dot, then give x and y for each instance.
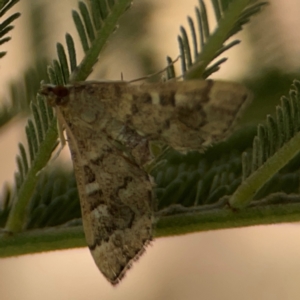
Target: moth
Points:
(109, 127)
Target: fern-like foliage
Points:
(94, 26)
(6, 111)
(197, 55)
(42, 125)
(277, 142)
(5, 26)
(197, 179)
(22, 92)
(55, 201)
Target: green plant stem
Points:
(245, 192)
(37, 241)
(19, 209)
(41, 240)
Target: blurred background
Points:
(259, 262)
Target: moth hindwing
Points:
(109, 126)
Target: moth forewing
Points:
(186, 115)
(109, 126)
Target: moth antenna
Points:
(156, 73)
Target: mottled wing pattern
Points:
(109, 125)
(186, 115)
(115, 192)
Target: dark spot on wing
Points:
(126, 180)
(143, 97)
(90, 89)
(95, 199)
(206, 91)
(167, 98)
(89, 174)
(97, 161)
(117, 90)
(134, 109)
(166, 124)
(98, 242)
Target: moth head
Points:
(56, 94)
